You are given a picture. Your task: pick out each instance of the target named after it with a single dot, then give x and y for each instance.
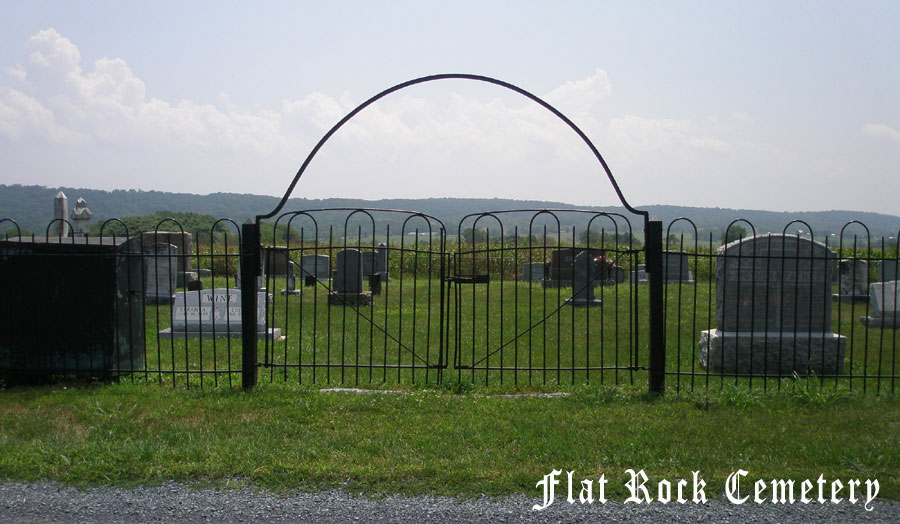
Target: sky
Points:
(785, 106)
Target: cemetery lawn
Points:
(456, 440)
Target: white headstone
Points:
(160, 265)
(81, 215)
(214, 312)
(884, 305)
(60, 211)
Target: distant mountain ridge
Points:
(32, 208)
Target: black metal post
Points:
(250, 262)
(653, 245)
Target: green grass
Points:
(498, 325)
(432, 441)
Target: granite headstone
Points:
(854, 280)
(884, 305)
(773, 309)
(584, 280)
(888, 270)
(160, 262)
(214, 312)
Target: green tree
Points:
(733, 233)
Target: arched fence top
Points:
(456, 76)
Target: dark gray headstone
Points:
(277, 260)
(773, 309)
(160, 266)
(316, 266)
(562, 260)
(349, 272)
(583, 281)
(533, 272)
(888, 270)
(381, 261)
(677, 268)
(617, 274)
(368, 263)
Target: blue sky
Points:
(762, 105)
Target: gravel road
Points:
(172, 502)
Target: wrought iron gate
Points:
(523, 309)
(476, 348)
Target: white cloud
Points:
(740, 116)
(97, 121)
(882, 131)
(24, 116)
(580, 96)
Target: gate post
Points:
(250, 261)
(653, 246)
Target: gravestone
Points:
(616, 275)
(348, 280)
(316, 266)
(584, 281)
(639, 276)
(159, 271)
(60, 210)
(290, 279)
(888, 270)
(561, 265)
(773, 309)
(854, 281)
(214, 313)
(278, 264)
(81, 215)
(185, 244)
(260, 280)
(276, 260)
(532, 271)
(677, 268)
(381, 261)
(884, 305)
(368, 263)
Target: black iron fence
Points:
(366, 296)
(769, 309)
